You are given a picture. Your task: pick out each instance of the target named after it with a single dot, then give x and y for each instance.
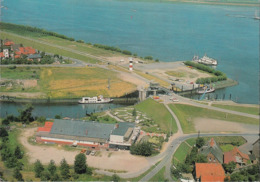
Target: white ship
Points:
(205, 60)
(206, 90)
(256, 16)
(95, 100)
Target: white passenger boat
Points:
(207, 90)
(95, 100)
(205, 60)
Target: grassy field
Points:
(181, 153)
(159, 176)
(162, 116)
(69, 82)
(187, 114)
(249, 110)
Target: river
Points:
(167, 31)
(51, 110)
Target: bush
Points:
(38, 168)
(80, 165)
(41, 119)
(144, 149)
(148, 57)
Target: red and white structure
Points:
(131, 64)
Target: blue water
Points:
(51, 110)
(167, 31)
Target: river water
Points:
(167, 31)
(51, 110)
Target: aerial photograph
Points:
(129, 90)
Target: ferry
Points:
(205, 60)
(207, 90)
(95, 100)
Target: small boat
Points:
(94, 100)
(207, 90)
(256, 16)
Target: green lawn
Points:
(186, 114)
(181, 153)
(159, 113)
(249, 110)
(20, 73)
(159, 176)
(226, 148)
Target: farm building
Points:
(85, 133)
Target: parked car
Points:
(88, 152)
(93, 152)
(174, 99)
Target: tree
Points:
(115, 178)
(11, 161)
(3, 132)
(80, 165)
(229, 168)
(52, 167)
(64, 169)
(176, 173)
(144, 148)
(17, 175)
(57, 116)
(18, 153)
(41, 119)
(26, 114)
(134, 113)
(200, 142)
(45, 176)
(38, 168)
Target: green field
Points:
(245, 109)
(159, 176)
(159, 113)
(186, 114)
(181, 153)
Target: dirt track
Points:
(119, 160)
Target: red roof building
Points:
(47, 127)
(25, 51)
(209, 172)
(9, 43)
(236, 156)
(2, 55)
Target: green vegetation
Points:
(159, 176)
(111, 48)
(20, 73)
(161, 117)
(218, 75)
(186, 114)
(227, 147)
(176, 73)
(181, 153)
(245, 109)
(143, 148)
(248, 174)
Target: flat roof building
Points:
(86, 133)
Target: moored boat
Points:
(207, 90)
(95, 100)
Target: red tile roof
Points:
(230, 156)
(2, 54)
(9, 43)
(47, 127)
(25, 50)
(212, 142)
(210, 171)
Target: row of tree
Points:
(25, 29)
(219, 76)
(112, 48)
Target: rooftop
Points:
(210, 171)
(234, 155)
(122, 128)
(212, 147)
(82, 128)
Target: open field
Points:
(246, 109)
(161, 117)
(187, 115)
(159, 176)
(68, 82)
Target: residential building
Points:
(87, 133)
(209, 172)
(213, 152)
(235, 155)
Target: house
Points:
(25, 51)
(209, 172)
(35, 57)
(213, 152)
(85, 133)
(235, 155)
(8, 42)
(256, 150)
